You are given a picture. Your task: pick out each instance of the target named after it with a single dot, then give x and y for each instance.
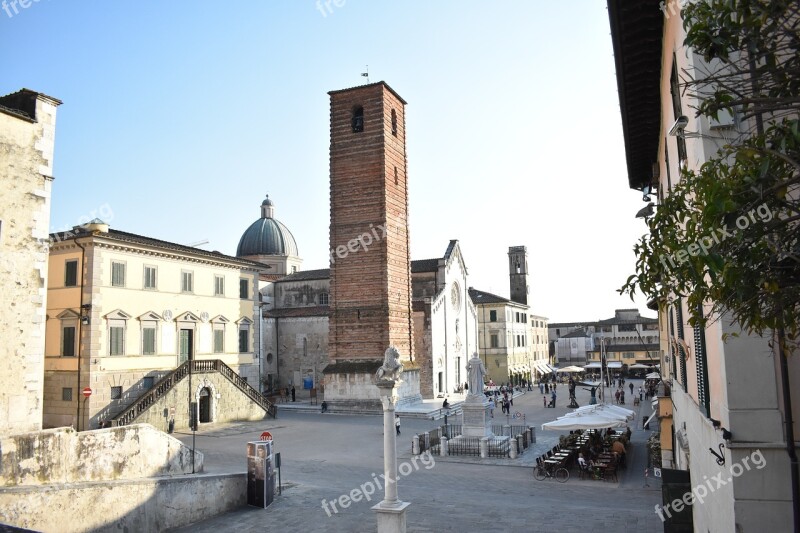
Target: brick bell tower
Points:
(370, 262)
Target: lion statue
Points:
(392, 367)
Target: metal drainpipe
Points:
(80, 334)
(260, 345)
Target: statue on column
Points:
(476, 372)
(392, 367)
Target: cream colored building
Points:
(540, 351)
(124, 310)
(27, 136)
(719, 396)
(503, 337)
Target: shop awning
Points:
(614, 364)
(592, 365)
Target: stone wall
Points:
(26, 151)
(423, 347)
(66, 456)
(356, 391)
(126, 505)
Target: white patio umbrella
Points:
(611, 411)
(653, 375)
(611, 417)
(638, 366)
(570, 369)
(582, 421)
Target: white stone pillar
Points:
(415, 445)
(391, 511)
(389, 445)
(484, 447)
(512, 451)
(443, 447)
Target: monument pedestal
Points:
(475, 420)
(391, 518)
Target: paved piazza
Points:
(326, 456)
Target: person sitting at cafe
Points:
(582, 464)
(618, 448)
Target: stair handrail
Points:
(194, 366)
(161, 387)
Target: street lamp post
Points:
(602, 368)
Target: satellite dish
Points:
(167, 314)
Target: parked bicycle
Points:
(545, 470)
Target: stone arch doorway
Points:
(204, 406)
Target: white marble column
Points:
(391, 511)
(389, 445)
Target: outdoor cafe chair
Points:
(610, 472)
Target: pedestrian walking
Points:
(491, 408)
(397, 423)
(293, 393)
(630, 385)
(641, 393)
(544, 400)
(553, 399)
(541, 388)
(616, 396)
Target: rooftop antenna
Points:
(198, 243)
(366, 74)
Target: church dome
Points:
(267, 236)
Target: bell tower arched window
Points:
(358, 119)
(394, 122)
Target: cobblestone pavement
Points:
(326, 456)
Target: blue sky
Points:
(179, 117)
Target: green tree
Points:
(727, 234)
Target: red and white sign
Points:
(266, 436)
(87, 391)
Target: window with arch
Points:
(358, 119)
(394, 122)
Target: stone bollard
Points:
(533, 434)
(443, 447)
(512, 451)
(506, 431)
(415, 445)
(484, 447)
(520, 445)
